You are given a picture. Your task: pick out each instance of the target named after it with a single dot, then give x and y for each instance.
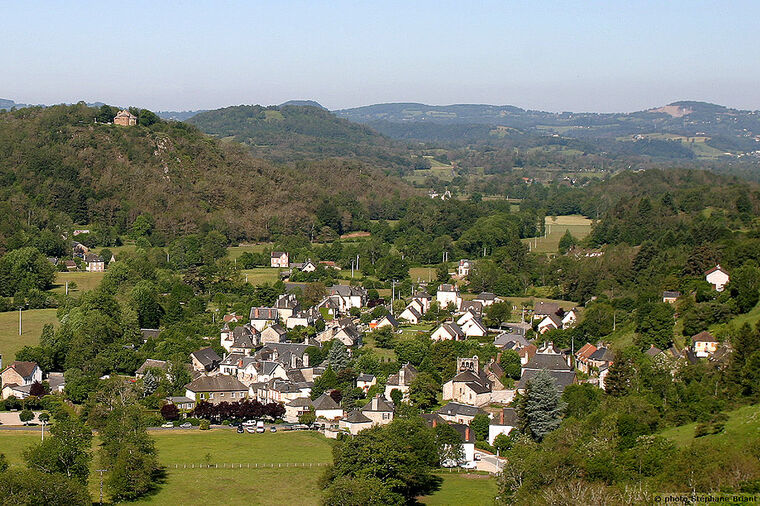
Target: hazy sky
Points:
(558, 56)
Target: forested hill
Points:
(295, 132)
(707, 129)
(60, 165)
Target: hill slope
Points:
(58, 165)
(708, 130)
(295, 132)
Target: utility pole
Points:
(19, 320)
(352, 267)
(67, 287)
(101, 471)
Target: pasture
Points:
(84, 281)
(556, 227)
(234, 252)
(32, 321)
(742, 427)
(261, 275)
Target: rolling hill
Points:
(297, 132)
(58, 165)
(705, 130)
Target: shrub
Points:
(204, 425)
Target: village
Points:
(259, 361)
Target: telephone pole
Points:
(19, 320)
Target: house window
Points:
(232, 395)
(211, 395)
(221, 394)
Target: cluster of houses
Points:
(260, 361)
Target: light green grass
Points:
(422, 274)
(463, 489)
(742, 427)
(234, 252)
(579, 226)
(32, 321)
(225, 445)
(13, 443)
(261, 275)
(85, 281)
(239, 487)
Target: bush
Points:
(204, 425)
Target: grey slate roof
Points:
(325, 402)
(218, 383)
(356, 416)
(563, 378)
(456, 408)
(505, 338)
(549, 361)
(207, 356)
(379, 404)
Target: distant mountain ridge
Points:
(709, 130)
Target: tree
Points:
(327, 381)
(449, 443)
(67, 451)
(566, 242)
(24, 269)
(543, 405)
(745, 286)
(654, 325)
(498, 313)
(511, 363)
(38, 390)
(401, 454)
(504, 442)
(442, 273)
(145, 299)
(397, 396)
(338, 357)
(479, 426)
(423, 391)
(307, 417)
(31, 486)
(313, 293)
(392, 267)
(26, 416)
(383, 337)
(170, 412)
(3, 463)
(348, 491)
(128, 452)
(581, 400)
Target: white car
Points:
(468, 465)
(168, 425)
(249, 423)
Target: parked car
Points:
(272, 429)
(468, 465)
(186, 425)
(250, 430)
(249, 423)
(168, 425)
(260, 426)
(240, 429)
(477, 456)
(449, 463)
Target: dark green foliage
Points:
(745, 286)
(544, 406)
(66, 451)
(510, 362)
(401, 455)
(654, 325)
(498, 313)
(479, 426)
(581, 400)
(423, 391)
(35, 487)
(24, 269)
(449, 443)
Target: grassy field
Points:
(742, 426)
(261, 275)
(579, 226)
(234, 252)
(463, 489)
(84, 280)
(32, 322)
(422, 274)
(278, 485)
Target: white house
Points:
(704, 344)
(463, 269)
(424, 300)
(279, 259)
(447, 332)
(365, 381)
(262, 317)
(550, 322)
(487, 299)
(448, 295)
(348, 297)
(474, 328)
(326, 407)
(94, 263)
(411, 314)
(717, 277)
(503, 423)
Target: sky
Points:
(582, 55)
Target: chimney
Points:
(306, 360)
(435, 422)
(501, 417)
(240, 363)
(467, 434)
(401, 377)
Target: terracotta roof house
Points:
(125, 118)
(704, 344)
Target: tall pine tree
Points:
(543, 405)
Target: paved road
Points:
(489, 462)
